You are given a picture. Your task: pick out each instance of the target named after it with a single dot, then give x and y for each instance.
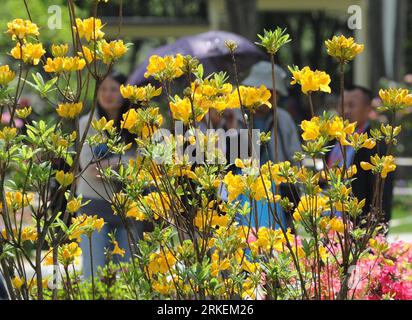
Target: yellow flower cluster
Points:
(382, 165)
(154, 205)
(88, 54)
(117, 250)
(251, 97)
(23, 113)
(89, 29)
(343, 49)
(60, 64)
(68, 253)
(27, 234)
(334, 224)
(161, 262)
(395, 99)
(20, 29)
(6, 75)
(212, 93)
(143, 122)
(210, 218)
(139, 94)
(85, 224)
(182, 110)
(311, 205)
(235, 185)
(28, 52)
(7, 133)
(15, 200)
(113, 50)
(218, 264)
(74, 205)
(59, 50)
(255, 186)
(69, 110)
(64, 178)
(311, 81)
(268, 239)
(332, 129)
(165, 68)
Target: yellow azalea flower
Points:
(383, 165)
(23, 113)
(69, 110)
(143, 122)
(311, 129)
(342, 48)
(161, 263)
(139, 94)
(54, 65)
(135, 212)
(369, 143)
(117, 249)
(218, 264)
(48, 258)
(129, 119)
(396, 99)
(59, 50)
(74, 205)
(85, 224)
(336, 224)
(7, 134)
(323, 253)
(6, 75)
(239, 163)
(29, 52)
(69, 253)
(89, 29)
(165, 68)
(19, 28)
(64, 178)
(158, 203)
(210, 219)
(339, 129)
(272, 171)
(311, 81)
(60, 64)
(73, 63)
(235, 185)
(251, 97)
(102, 124)
(112, 50)
(164, 287)
(258, 189)
(182, 109)
(17, 282)
(310, 205)
(87, 54)
(323, 223)
(29, 234)
(16, 200)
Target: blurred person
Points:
(358, 108)
(111, 105)
(288, 138)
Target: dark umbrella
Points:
(210, 49)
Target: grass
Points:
(402, 210)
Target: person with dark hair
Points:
(357, 108)
(111, 105)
